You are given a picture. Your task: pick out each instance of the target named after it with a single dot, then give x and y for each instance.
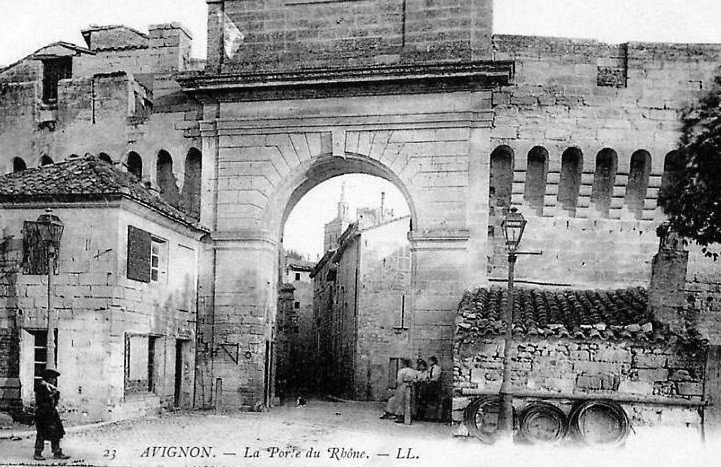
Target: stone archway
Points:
(264, 156)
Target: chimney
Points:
(666, 298)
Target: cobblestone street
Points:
(338, 433)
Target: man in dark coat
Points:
(47, 420)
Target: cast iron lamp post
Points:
(50, 229)
(513, 226)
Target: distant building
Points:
(335, 228)
(295, 330)
(362, 291)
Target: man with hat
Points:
(47, 420)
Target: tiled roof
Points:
(575, 314)
(84, 178)
(301, 265)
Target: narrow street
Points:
(325, 433)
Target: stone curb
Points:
(17, 435)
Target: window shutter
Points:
(138, 254)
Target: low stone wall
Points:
(658, 383)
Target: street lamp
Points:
(49, 228)
(513, 226)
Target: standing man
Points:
(47, 420)
(434, 388)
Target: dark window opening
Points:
(152, 344)
(19, 165)
(54, 70)
(501, 177)
(639, 172)
(192, 183)
(536, 176)
(135, 164)
(45, 160)
(603, 180)
(166, 179)
(673, 166)
(570, 180)
(296, 305)
(105, 158)
(297, 276)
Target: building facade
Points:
(124, 292)
(578, 135)
(360, 297)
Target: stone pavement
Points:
(325, 433)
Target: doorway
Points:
(180, 347)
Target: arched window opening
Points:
(191, 184)
(603, 180)
(673, 166)
(135, 164)
(19, 165)
(570, 180)
(45, 160)
(501, 179)
(638, 174)
(105, 158)
(536, 174)
(166, 179)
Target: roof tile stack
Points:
(578, 314)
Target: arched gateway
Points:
(272, 130)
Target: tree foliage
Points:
(692, 197)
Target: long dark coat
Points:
(47, 420)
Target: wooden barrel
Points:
(599, 423)
(543, 423)
(482, 418)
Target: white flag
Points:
(232, 37)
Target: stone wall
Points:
(591, 98)
(644, 374)
(345, 330)
(9, 351)
(291, 34)
(384, 318)
(121, 99)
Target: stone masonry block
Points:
(649, 361)
(592, 382)
(656, 374)
(689, 388)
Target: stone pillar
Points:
(245, 300)
(668, 280)
(216, 10)
(477, 207)
(440, 270)
(170, 45)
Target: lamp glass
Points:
(50, 228)
(513, 226)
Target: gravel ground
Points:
(325, 433)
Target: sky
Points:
(27, 25)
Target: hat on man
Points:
(50, 373)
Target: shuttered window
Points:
(139, 248)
